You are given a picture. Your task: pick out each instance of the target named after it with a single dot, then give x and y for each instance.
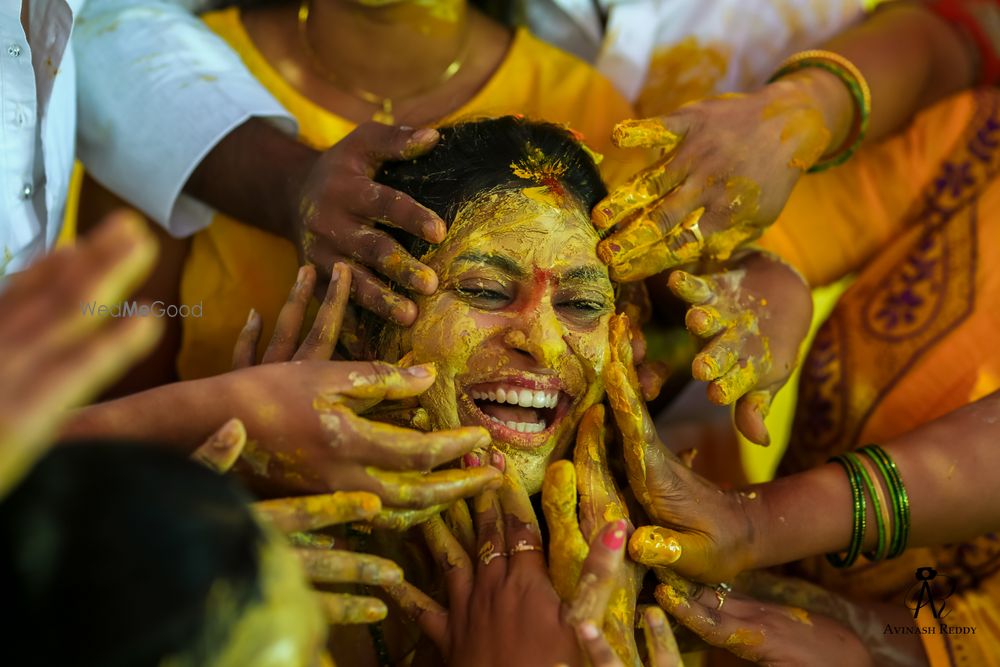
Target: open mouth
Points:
(520, 411)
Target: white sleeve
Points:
(157, 91)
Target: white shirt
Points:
(155, 90)
(659, 52)
(37, 121)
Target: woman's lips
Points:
(521, 412)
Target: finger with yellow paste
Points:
(322, 337)
(598, 576)
(638, 192)
(718, 356)
(335, 567)
(453, 561)
(661, 645)
(416, 490)
(599, 501)
(245, 350)
(642, 248)
(289, 323)
(304, 540)
(422, 609)
(654, 546)
(567, 548)
(736, 382)
(223, 448)
(664, 132)
(725, 628)
(690, 288)
(306, 513)
(397, 519)
(341, 609)
(459, 522)
(397, 448)
(523, 535)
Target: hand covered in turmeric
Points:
(699, 530)
(729, 164)
(753, 312)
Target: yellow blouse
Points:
(233, 267)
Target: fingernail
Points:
(471, 460)
(421, 370)
(588, 630)
(498, 461)
(654, 620)
(434, 231)
(334, 275)
(251, 315)
(425, 135)
(616, 538)
(301, 276)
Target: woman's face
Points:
(519, 326)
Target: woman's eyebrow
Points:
(502, 262)
(586, 274)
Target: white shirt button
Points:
(13, 50)
(27, 190)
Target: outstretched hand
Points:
(699, 530)
(59, 345)
(762, 632)
(315, 440)
(729, 165)
(753, 312)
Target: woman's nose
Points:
(540, 334)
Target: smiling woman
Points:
(519, 326)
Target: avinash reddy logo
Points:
(928, 600)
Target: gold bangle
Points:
(857, 86)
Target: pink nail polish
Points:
(471, 460)
(614, 539)
(498, 461)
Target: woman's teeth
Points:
(526, 398)
(522, 427)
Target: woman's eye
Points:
(586, 306)
(483, 295)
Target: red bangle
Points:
(961, 13)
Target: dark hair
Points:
(476, 157)
(108, 552)
(479, 156)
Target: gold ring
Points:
(721, 591)
(487, 554)
(522, 545)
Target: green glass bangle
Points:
(897, 493)
(858, 523)
(859, 93)
(880, 526)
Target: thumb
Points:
(655, 546)
(749, 414)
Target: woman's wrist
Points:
(151, 415)
(776, 511)
(824, 94)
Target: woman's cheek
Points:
(592, 348)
